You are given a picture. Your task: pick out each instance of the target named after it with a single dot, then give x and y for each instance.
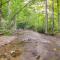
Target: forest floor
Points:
(29, 45)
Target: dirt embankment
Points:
(29, 45)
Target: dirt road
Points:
(29, 45)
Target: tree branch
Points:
(20, 10)
(5, 2)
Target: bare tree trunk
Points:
(9, 10)
(0, 12)
(46, 21)
(58, 16)
(52, 16)
(14, 23)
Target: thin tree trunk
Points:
(0, 12)
(13, 28)
(9, 10)
(52, 16)
(58, 16)
(46, 21)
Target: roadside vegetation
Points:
(38, 15)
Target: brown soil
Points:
(29, 45)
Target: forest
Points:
(39, 15)
(29, 29)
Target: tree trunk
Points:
(46, 21)
(0, 12)
(9, 10)
(13, 28)
(58, 16)
(52, 16)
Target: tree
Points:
(58, 16)
(52, 16)
(0, 12)
(9, 13)
(46, 21)
(22, 10)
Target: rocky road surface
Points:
(29, 45)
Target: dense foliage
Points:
(30, 14)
